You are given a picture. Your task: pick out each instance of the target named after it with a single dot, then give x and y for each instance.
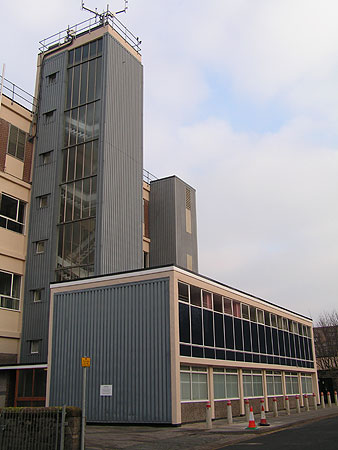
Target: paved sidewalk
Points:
(193, 436)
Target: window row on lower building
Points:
(194, 383)
(231, 355)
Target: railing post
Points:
(63, 424)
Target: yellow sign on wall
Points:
(85, 362)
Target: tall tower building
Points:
(86, 214)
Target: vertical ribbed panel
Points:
(120, 202)
(170, 243)
(125, 331)
(43, 221)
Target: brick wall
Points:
(27, 168)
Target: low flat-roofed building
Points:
(164, 341)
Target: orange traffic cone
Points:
(263, 422)
(252, 423)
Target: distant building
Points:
(326, 344)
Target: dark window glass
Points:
(183, 292)
(197, 352)
(185, 350)
(195, 295)
(209, 353)
(281, 343)
(239, 356)
(99, 46)
(16, 142)
(268, 340)
(267, 318)
(292, 345)
(208, 328)
(262, 341)
(248, 357)
(92, 49)
(91, 81)
(219, 330)
(238, 334)
(98, 78)
(5, 283)
(275, 341)
(220, 354)
(254, 337)
(255, 358)
(76, 86)
(287, 343)
(301, 347)
(297, 346)
(77, 58)
(247, 336)
(84, 79)
(9, 207)
(230, 355)
(196, 326)
(263, 359)
(70, 57)
(218, 303)
(229, 333)
(184, 323)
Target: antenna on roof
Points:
(124, 10)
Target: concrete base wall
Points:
(221, 409)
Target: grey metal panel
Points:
(169, 240)
(42, 221)
(125, 331)
(119, 220)
(162, 223)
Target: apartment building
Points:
(16, 152)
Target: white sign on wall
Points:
(106, 390)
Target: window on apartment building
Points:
(218, 303)
(16, 142)
(274, 383)
(51, 79)
(207, 299)
(227, 305)
(46, 158)
(35, 346)
(194, 383)
(12, 213)
(225, 383)
(291, 383)
(183, 292)
(252, 383)
(40, 246)
(43, 201)
(37, 295)
(49, 117)
(306, 383)
(10, 286)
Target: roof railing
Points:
(148, 177)
(99, 20)
(18, 95)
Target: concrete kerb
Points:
(276, 423)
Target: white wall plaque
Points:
(106, 390)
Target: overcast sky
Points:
(241, 102)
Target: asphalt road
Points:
(319, 435)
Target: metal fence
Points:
(18, 95)
(29, 429)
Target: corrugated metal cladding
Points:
(42, 220)
(120, 209)
(124, 329)
(170, 243)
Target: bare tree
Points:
(326, 340)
